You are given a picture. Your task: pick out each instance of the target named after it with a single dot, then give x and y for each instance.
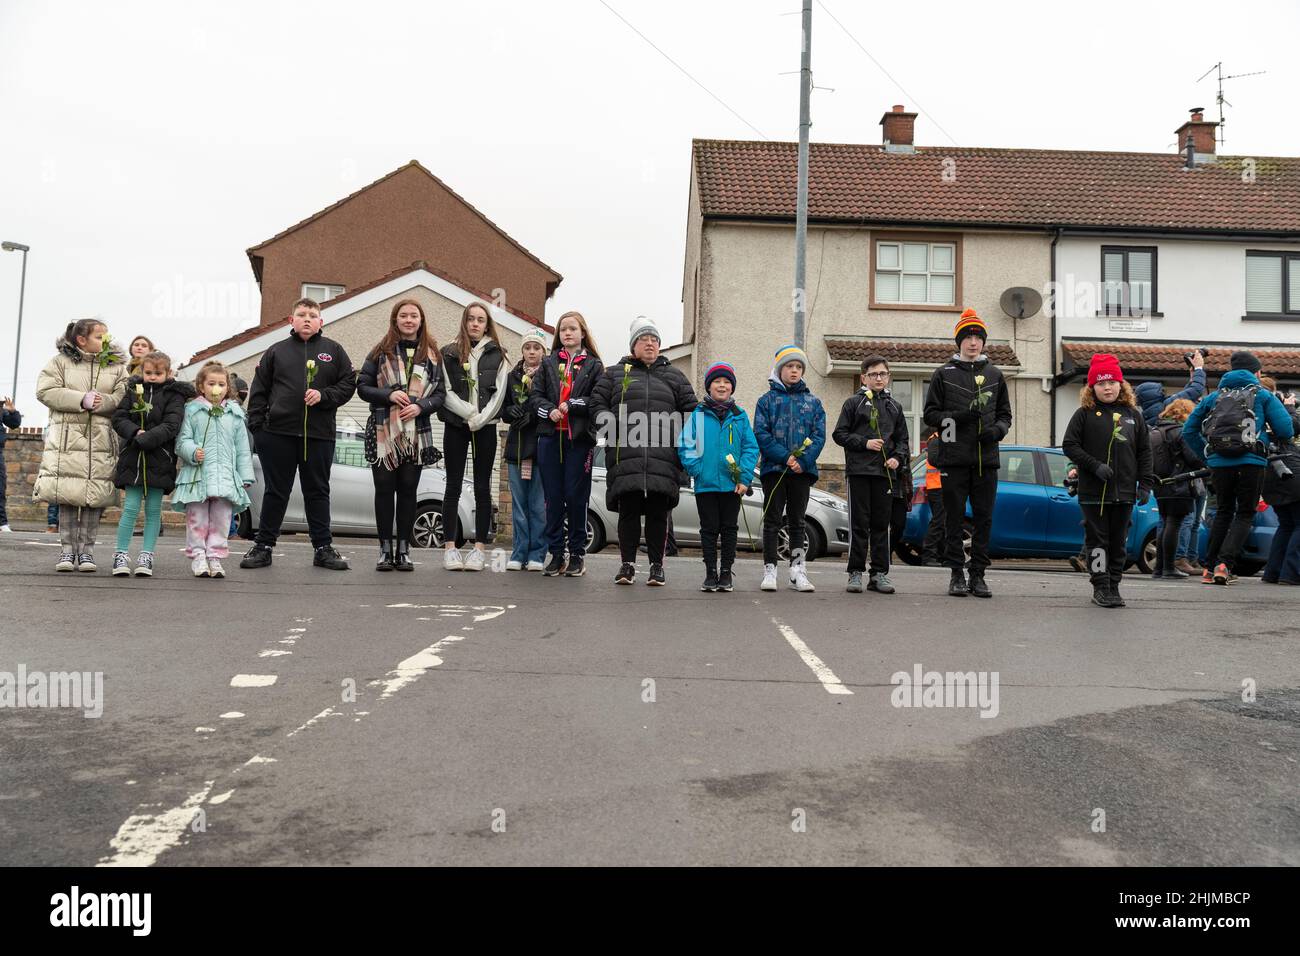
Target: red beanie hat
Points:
(1104, 368)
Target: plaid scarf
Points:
(396, 440)
(723, 410)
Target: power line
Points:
(880, 66)
(683, 70)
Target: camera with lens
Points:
(1071, 485)
(1279, 466)
(1187, 356)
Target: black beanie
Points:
(1246, 361)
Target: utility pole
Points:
(801, 198)
(22, 289)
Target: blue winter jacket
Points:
(1269, 411)
(1152, 400)
(783, 418)
(705, 443)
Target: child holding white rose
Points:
(719, 451)
(1108, 443)
(216, 472)
(148, 421)
(527, 495)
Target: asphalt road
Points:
(507, 719)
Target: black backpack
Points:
(1166, 450)
(1230, 427)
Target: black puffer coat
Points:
(521, 440)
(952, 394)
(546, 396)
(1088, 443)
(657, 395)
(150, 456)
(1168, 435)
(854, 430)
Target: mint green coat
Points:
(227, 460)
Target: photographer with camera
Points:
(1171, 457)
(1282, 492)
(1227, 430)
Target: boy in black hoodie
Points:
(299, 383)
(1107, 440)
(969, 406)
(872, 429)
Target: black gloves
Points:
(1105, 472)
(967, 416)
(1144, 495)
(989, 437)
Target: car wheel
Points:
(814, 544)
(595, 534)
(428, 526)
(967, 540)
(1146, 561)
(908, 553)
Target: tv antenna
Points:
(1218, 68)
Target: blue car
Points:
(1255, 554)
(1034, 516)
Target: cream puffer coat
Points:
(81, 447)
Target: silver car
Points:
(352, 500)
(826, 522)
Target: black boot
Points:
(957, 584)
(977, 586)
(385, 562)
(402, 560)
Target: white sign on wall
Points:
(1130, 325)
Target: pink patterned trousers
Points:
(207, 528)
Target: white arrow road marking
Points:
(143, 837)
(414, 667)
(824, 674)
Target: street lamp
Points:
(22, 288)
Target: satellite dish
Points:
(1020, 302)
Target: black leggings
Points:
(400, 484)
(1172, 513)
(788, 495)
(656, 509)
(456, 444)
(719, 511)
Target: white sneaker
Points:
(514, 565)
(200, 566)
(799, 579)
(475, 560)
(452, 561)
(536, 566)
(215, 569)
(769, 578)
(5, 529)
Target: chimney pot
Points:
(898, 107)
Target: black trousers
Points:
(281, 457)
(870, 511)
(4, 479)
(398, 485)
(936, 533)
(1172, 513)
(788, 495)
(897, 520)
(1236, 489)
(1105, 538)
(456, 446)
(719, 513)
(655, 508)
(962, 483)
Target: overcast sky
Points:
(150, 144)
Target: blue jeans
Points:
(1188, 534)
(568, 490)
(527, 516)
(1284, 555)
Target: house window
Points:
(1128, 280)
(321, 292)
(906, 391)
(1272, 284)
(915, 274)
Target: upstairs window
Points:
(1128, 279)
(321, 292)
(1272, 284)
(915, 273)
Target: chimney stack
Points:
(1200, 134)
(898, 128)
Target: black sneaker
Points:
(575, 568)
(1116, 596)
(327, 557)
(957, 583)
(724, 580)
(258, 556)
(626, 574)
(657, 579)
(977, 586)
(556, 565)
(710, 580)
(1102, 598)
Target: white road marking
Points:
(414, 667)
(327, 712)
(297, 630)
(221, 797)
(258, 758)
(145, 836)
(253, 680)
(205, 730)
(231, 715)
(824, 674)
(273, 653)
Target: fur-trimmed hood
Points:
(71, 350)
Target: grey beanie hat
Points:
(642, 326)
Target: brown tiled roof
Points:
(916, 351)
(249, 334)
(998, 187)
(1139, 359)
(412, 164)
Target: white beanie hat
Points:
(535, 335)
(642, 326)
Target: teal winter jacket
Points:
(227, 460)
(705, 443)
